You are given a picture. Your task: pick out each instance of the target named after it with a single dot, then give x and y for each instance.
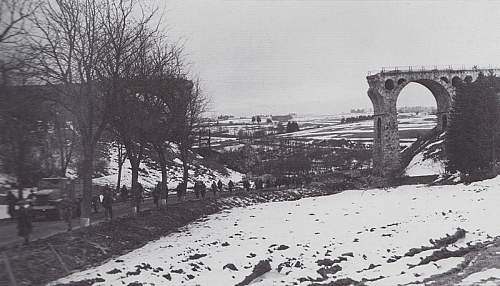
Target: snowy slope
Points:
(429, 161)
(420, 166)
(149, 176)
(377, 236)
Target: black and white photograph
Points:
(250, 142)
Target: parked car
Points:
(50, 193)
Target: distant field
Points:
(328, 127)
(410, 127)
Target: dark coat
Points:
(107, 200)
(66, 207)
(11, 202)
(24, 226)
(203, 189)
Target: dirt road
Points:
(46, 228)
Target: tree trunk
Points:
(60, 142)
(21, 168)
(134, 163)
(163, 166)
(86, 174)
(62, 161)
(121, 160)
(185, 166)
(118, 182)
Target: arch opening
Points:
(417, 108)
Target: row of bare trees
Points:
(112, 68)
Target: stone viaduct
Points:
(384, 89)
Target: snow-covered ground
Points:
(429, 160)
(368, 234)
(424, 167)
(3, 212)
(149, 176)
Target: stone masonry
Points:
(384, 89)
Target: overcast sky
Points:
(271, 57)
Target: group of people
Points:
(20, 209)
(200, 189)
(105, 199)
(160, 194)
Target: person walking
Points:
(66, 210)
(178, 190)
(107, 203)
(230, 186)
(95, 203)
(156, 194)
(197, 189)
(219, 186)
(203, 190)
(124, 193)
(11, 201)
(214, 189)
(24, 223)
(246, 185)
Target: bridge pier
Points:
(386, 153)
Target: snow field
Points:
(366, 233)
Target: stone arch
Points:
(386, 144)
(442, 84)
(441, 95)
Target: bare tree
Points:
(13, 16)
(14, 26)
(126, 37)
(163, 83)
(188, 104)
(83, 48)
(68, 45)
(65, 137)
